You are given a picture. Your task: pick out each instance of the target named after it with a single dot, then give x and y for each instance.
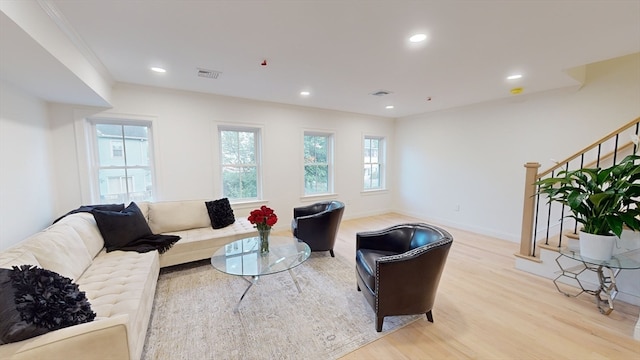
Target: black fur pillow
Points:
(34, 301)
(220, 213)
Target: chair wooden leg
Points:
(429, 316)
(331, 252)
(379, 321)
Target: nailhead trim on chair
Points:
(411, 253)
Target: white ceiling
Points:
(341, 51)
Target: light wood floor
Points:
(487, 309)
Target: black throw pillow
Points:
(119, 228)
(220, 213)
(34, 301)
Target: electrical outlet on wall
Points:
(457, 207)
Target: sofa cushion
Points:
(35, 301)
(173, 216)
(123, 283)
(119, 228)
(15, 256)
(59, 248)
(201, 243)
(220, 213)
(85, 225)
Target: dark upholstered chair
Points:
(317, 224)
(398, 268)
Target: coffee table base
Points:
(254, 279)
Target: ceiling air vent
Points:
(381, 93)
(211, 74)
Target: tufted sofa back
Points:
(66, 247)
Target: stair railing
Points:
(538, 216)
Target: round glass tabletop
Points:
(242, 257)
(625, 260)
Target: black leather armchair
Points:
(317, 224)
(398, 269)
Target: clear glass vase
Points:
(264, 241)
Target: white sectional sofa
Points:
(119, 285)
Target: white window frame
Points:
(95, 167)
(382, 144)
(330, 162)
(257, 131)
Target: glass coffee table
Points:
(242, 258)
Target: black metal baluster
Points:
(566, 168)
(635, 146)
(575, 226)
(615, 149)
(535, 221)
(546, 242)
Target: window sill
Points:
(374, 192)
(318, 197)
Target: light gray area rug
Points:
(193, 314)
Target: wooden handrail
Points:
(590, 147)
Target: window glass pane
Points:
(124, 171)
(367, 176)
(246, 143)
(136, 141)
(240, 182)
(374, 151)
(373, 158)
(113, 185)
(316, 179)
(375, 176)
(317, 164)
(239, 156)
(110, 145)
(229, 147)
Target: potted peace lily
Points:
(602, 200)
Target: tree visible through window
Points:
(239, 162)
(317, 163)
(123, 162)
(373, 153)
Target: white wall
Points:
(474, 156)
(26, 194)
(185, 138)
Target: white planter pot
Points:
(596, 247)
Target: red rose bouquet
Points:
(263, 218)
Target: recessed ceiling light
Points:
(418, 38)
(514, 77)
(389, 107)
(158, 69)
(305, 93)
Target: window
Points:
(239, 159)
(373, 163)
(122, 162)
(318, 167)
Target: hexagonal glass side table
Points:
(605, 270)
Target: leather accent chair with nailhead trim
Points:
(398, 269)
(318, 224)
